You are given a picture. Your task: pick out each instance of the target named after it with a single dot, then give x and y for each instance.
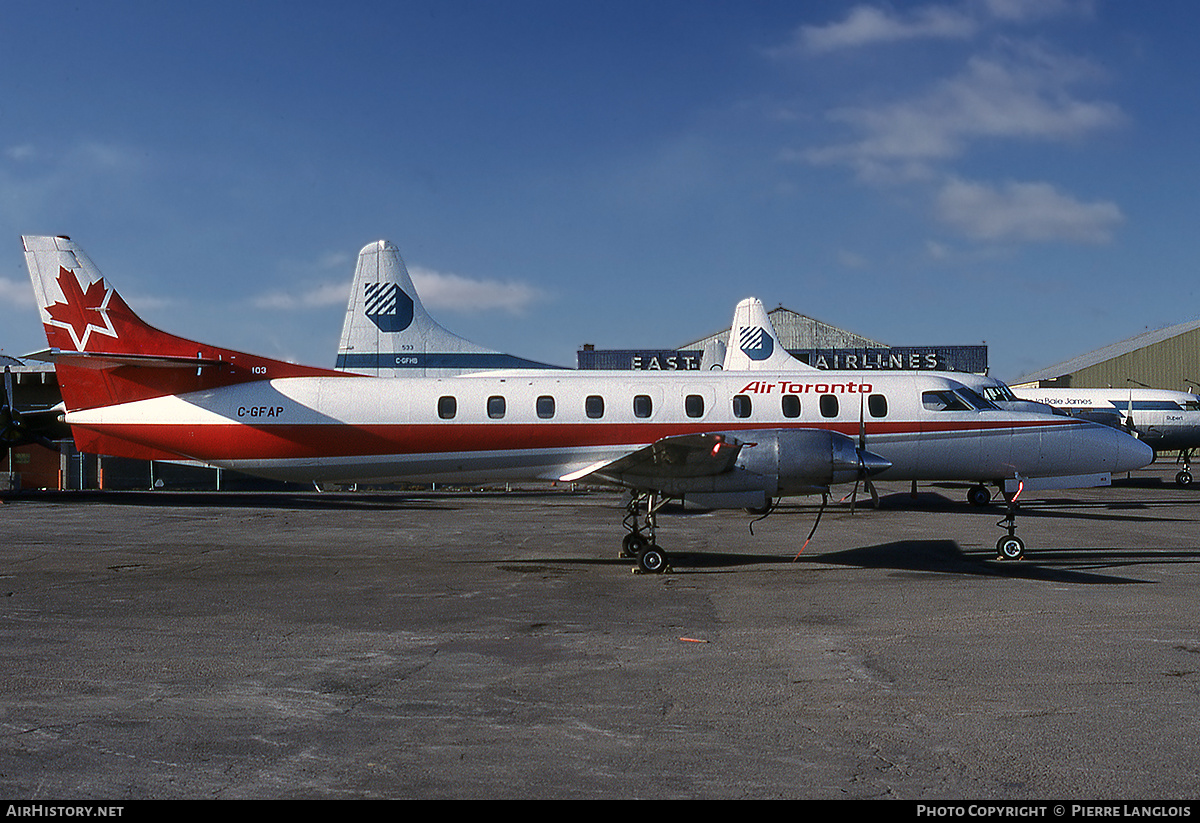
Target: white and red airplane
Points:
(718, 439)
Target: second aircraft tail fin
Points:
(388, 333)
(754, 345)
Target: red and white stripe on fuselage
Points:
(357, 428)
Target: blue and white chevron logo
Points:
(756, 343)
(388, 307)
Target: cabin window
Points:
(495, 407)
(877, 405)
(642, 405)
(791, 405)
(545, 407)
(593, 406)
(943, 401)
(447, 407)
(829, 405)
(693, 405)
(741, 405)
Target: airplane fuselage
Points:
(521, 426)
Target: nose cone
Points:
(1133, 455)
(1116, 450)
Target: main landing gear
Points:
(641, 514)
(979, 495)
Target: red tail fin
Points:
(105, 354)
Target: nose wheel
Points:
(1010, 547)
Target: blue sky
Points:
(1018, 172)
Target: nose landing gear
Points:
(1010, 547)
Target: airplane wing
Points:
(671, 458)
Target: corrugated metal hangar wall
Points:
(1163, 359)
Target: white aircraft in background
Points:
(718, 439)
(1162, 419)
(388, 333)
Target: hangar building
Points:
(1163, 359)
(810, 340)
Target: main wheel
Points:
(652, 560)
(1184, 478)
(1010, 547)
(632, 545)
(979, 495)
(766, 508)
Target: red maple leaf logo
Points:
(83, 311)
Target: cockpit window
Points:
(974, 399)
(944, 400)
(999, 392)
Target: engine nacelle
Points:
(770, 463)
(803, 460)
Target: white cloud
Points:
(865, 25)
(937, 251)
(852, 260)
(454, 292)
(25, 151)
(36, 180)
(1022, 11)
(1026, 212)
(316, 296)
(1025, 94)
(438, 291)
(16, 293)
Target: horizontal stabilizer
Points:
(102, 360)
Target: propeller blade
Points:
(874, 493)
(13, 430)
(865, 472)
